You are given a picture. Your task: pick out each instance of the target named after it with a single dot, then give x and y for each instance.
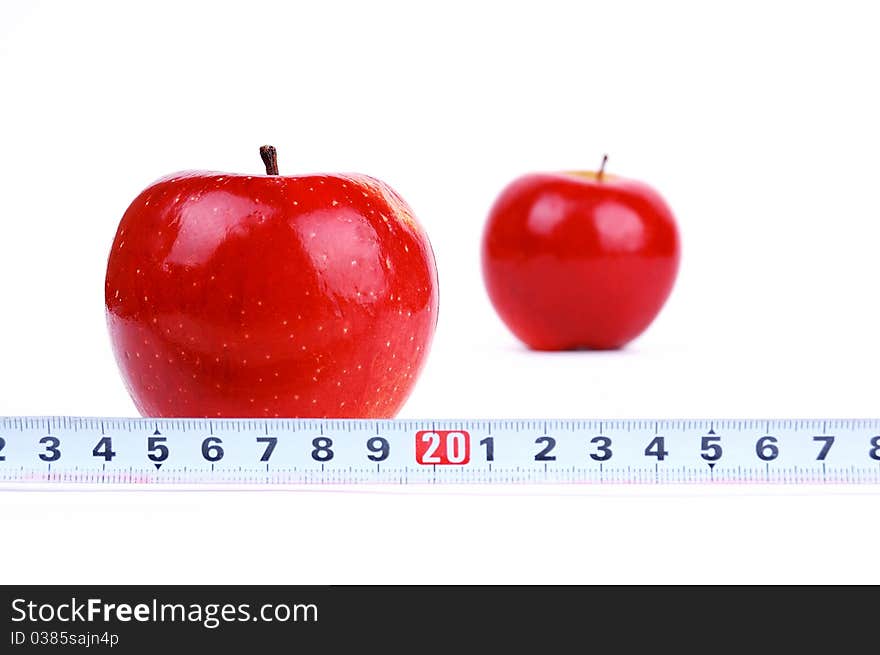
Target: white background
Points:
(758, 122)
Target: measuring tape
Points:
(309, 451)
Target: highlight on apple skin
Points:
(579, 260)
(270, 296)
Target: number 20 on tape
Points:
(443, 447)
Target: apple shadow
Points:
(626, 351)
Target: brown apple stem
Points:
(270, 159)
(601, 172)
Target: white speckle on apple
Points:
(339, 384)
(359, 367)
(296, 396)
(138, 355)
(406, 248)
(412, 338)
(268, 356)
(295, 203)
(311, 188)
(247, 336)
(304, 348)
(225, 346)
(244, 362)
(290, 336)
(121, 243)
(345, 330)
(320, 328)
(213, 277)
(284, 322)
(252, 399)
(277, 374)
(217, 359)
(146, 299)
(259, 303)
(354, 262)
(387, 344)
(314, 401)
(116, 295)
(334, 203)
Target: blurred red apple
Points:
(579, 259)
(270, 296)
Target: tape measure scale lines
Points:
(309, 451)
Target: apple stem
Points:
(601, 172)
(270, 159)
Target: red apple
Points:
(270, 296)
(579, 259)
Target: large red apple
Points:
(579, 260)
(270, 296)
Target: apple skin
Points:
(270, 296)
(579, 260)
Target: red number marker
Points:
(445, 447)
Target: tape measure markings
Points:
(312, 451)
